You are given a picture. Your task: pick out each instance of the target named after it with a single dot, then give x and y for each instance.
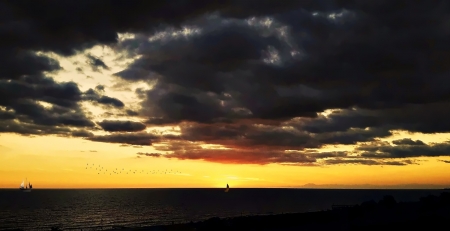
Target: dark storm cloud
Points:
(140, 138)
(195, 75)
(82, 133)
(96, 96)
(27, 27)
(273, 136)
(368, 162)
(121, 126)
(256, 156)
(244, 9)
(425, 118)
(385, 150)
(253, 76)
(149, 154)
(16, 63)
(76, 25)
(247, 136)
(205, 54)
(23, 99)
(321, 155)
(186, 150)
(7, 115)
(100, 88)
(127, 113)
(106, 100)
(31, 112)
(131, 112)
(31, 129)
(34, 129)
(445, 161)
(140, 93)
(96, 63)
(408, 141)
(175, 107)
(65, 94)
(392, 73)
(352, 136)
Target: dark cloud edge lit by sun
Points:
(279, 83)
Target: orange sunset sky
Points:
(57, 162)
(216, 97)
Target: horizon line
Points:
(343, 188)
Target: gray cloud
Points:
(408, 141)
(121, 126)
(258, 156)
(82, 133)
(385, 150)
(131, 112)
(149, 154)
(97, 97)
(368, 162)
(253, 78)
(24, 111)
(141, 138)
(96, 63)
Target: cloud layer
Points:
(250, 82)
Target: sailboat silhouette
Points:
(25, 188)
(227, 189)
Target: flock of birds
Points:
(115, 171)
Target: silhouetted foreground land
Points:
(429, 213)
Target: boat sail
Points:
(25, 188)
(227, 189)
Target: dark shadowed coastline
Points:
(429, 213)
(346, 209)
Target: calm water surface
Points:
(90, 208)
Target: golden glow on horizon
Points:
(57, 162)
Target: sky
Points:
(327, 93)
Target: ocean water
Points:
(94, 208)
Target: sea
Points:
(94, 209)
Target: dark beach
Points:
(429, 213)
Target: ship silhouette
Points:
(24, 187)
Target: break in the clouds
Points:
(269, 83)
